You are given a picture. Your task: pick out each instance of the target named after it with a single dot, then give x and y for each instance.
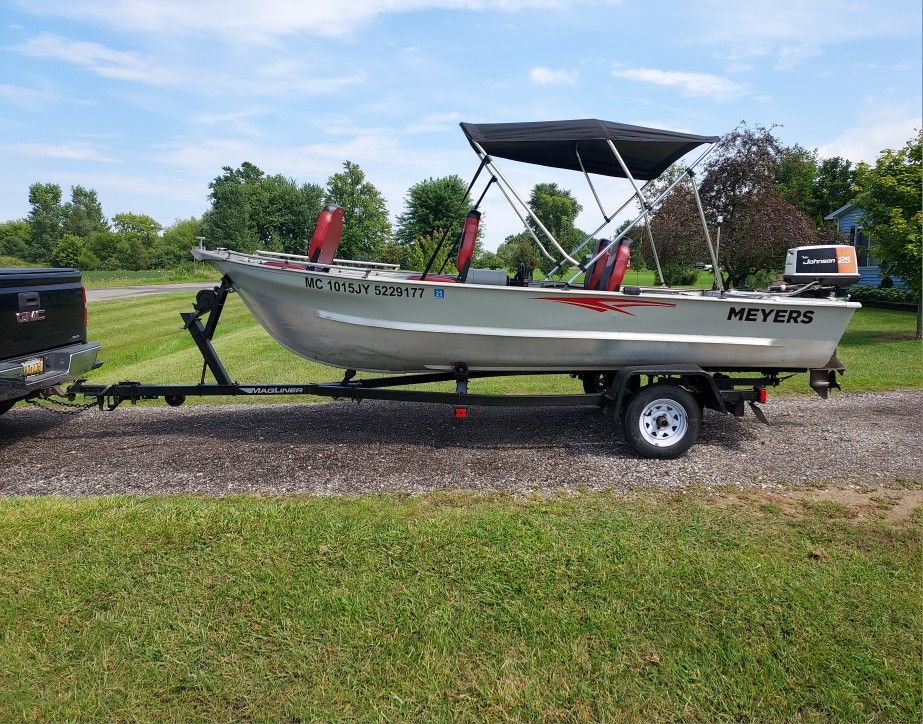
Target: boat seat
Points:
(616, 265)
(323, 245)
(469, 237)
(621, 260)
(593, 272)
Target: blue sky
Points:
(146, 100)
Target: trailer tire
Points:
(662, 421)
(7, 405)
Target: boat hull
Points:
(377, 321)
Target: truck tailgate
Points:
(40, 309)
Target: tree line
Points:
(770, 198)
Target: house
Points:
(848, 220)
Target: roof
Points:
(842, 211)
(647, 152)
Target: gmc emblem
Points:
(35, 315)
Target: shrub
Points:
(868, 293)
(676, 275)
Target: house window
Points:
(859, 240)
(862, 245)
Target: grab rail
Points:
(338, 262)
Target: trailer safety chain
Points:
(59, 407)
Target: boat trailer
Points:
(614, 392)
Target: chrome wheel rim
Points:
(663, 423)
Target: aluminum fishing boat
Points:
(377, 317)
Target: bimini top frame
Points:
(591, 146)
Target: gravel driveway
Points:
(344, 448)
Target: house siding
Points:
(870, 274)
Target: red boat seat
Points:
(619, 258)
(323, 245)
(593, 273)
(469, 237)
(615, 267)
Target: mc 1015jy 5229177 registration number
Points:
(366, 288)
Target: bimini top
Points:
(647, 152)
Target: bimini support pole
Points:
(577, 249)
(645, 207)
(429, 264)
(525, 223)
(650, 238)
(590, 183)
(503, 182)
(653, 205)
(711, 249)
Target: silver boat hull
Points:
(382, 321)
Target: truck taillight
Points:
(83, 294)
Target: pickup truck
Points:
(43, 333)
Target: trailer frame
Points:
(713, 389)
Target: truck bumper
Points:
(59, 365)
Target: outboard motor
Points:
(829, 265)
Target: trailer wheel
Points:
(662, 421)
(174, 400)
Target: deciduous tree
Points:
(83, 214)
(15, 237)
(46, 218)
(173, 247)
(833, 188)
(739, 184)
(139, 234)
(366, 228)
(250, 210)
(889, 194)
(431, 205)
(71, 251)
(557, 209)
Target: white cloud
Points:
(692, 84)
(880, 126)
(434, 123)
(548, 76)
(28, 99)
(283, 76)
(259, 21)
(793, 30)
(118, 64)
(65, 151)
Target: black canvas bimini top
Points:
(647, 152)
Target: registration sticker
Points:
(439, 293)
(33, 366)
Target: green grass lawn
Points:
(585, 609)
(142, 341)
(634, 277)
(102, 279)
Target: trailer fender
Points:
(629, 380)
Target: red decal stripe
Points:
(607, 304)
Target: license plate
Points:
(33, 366)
